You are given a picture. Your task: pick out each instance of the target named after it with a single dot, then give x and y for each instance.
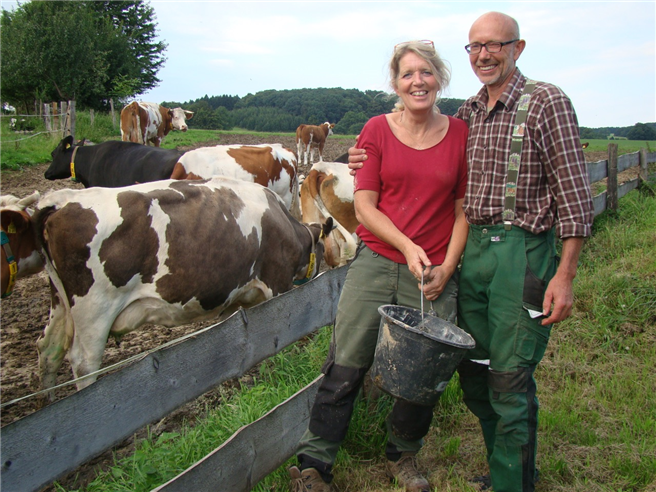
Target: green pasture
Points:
(623, 146)
(18, 150)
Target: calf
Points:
(327, 192)
(148, 123)
(310, 137)
(168, 252)
(269, 165)
(111, 164)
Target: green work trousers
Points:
(502, 284)
(371, 281)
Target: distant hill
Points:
(349, 109)
(284, 111)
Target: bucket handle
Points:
(421, 299)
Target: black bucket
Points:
(416, 355)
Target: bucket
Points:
(416, 354)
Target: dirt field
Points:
(25, 313)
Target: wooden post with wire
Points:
(611, 182)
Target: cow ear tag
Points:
(313, 260)
(11, 229)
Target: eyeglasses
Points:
(490, 46)
(427, 42)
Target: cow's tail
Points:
(295, 207)
(39, 221)
(140, 133)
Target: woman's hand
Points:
(417, 260)
(435, 282)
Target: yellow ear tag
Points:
(313, 260)
(12, 228)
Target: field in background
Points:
(18, 150)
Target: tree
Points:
(351, 123)
(88, 51)
(641, 131)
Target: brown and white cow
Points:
(310, 137)
(19, 255)
(148, 123)
(327, 192)
(269, 165)
(166, 252)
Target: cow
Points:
(269, 165)
(148, 123)
(167, 252)
(327, 192)
(111, 164)
(309, 137)
(20, 257)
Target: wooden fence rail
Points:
(47, 444)
(51, 442)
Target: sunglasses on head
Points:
(427, 42)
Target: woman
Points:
(408, 199)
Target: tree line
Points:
(285, 110)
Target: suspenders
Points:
(515, 154)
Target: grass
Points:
(623, 146)
(596, 385)
(20, 150)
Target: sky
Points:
(602, 54)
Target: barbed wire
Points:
(31, 136)
(11, 115)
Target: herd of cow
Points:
(163, 237)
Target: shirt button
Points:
(484, 231)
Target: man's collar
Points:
(509, 97)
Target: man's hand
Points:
(559, 297)
(558, 300)
(356, 159)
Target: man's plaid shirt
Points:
(553, 186)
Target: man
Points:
(512, 285)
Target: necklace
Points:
(420, 144)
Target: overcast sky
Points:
(602, 54)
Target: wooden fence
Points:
(57, 117)
(51, 442)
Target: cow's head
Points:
(310, 268)
(329, 127)
(178, 117)
(19, 255)
(60, 167)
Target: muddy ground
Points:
(24, 314)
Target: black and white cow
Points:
(168, 253)
(111, 164)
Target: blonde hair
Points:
(428, 53)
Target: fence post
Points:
(46, 117)
(70, 120)
(611, 182)
(92, 116)
(111, 108)
(644, 170)
(63, 108)
(55, 116)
